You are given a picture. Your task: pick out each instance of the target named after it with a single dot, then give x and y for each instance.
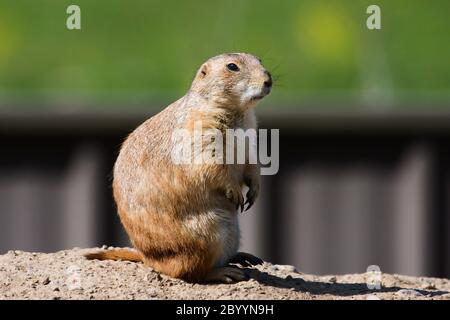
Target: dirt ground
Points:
(67, 275)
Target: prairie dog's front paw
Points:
(252, 193)
(235, 196)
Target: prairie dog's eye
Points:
(232, 67)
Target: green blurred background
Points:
(146, 52)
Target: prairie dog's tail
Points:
(115, 254)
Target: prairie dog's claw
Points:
(227, 275)
(251, 195)
(246, 259)
(249, 202)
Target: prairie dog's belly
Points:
(220, 228)
(229, 237)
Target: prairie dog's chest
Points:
(249, 127)
(247, 121)
(245, 143)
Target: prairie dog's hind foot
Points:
(245, 259)
(226, 275)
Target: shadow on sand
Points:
(322, 288)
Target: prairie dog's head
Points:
(233, 79)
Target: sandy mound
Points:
(67, 275)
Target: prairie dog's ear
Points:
(203, 71)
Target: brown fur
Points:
(115, 254)
(181, 218)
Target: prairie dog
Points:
(182, 219)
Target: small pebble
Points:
(332, 279)
(430, 286)
(152, 292)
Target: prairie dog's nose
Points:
(268, 82)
